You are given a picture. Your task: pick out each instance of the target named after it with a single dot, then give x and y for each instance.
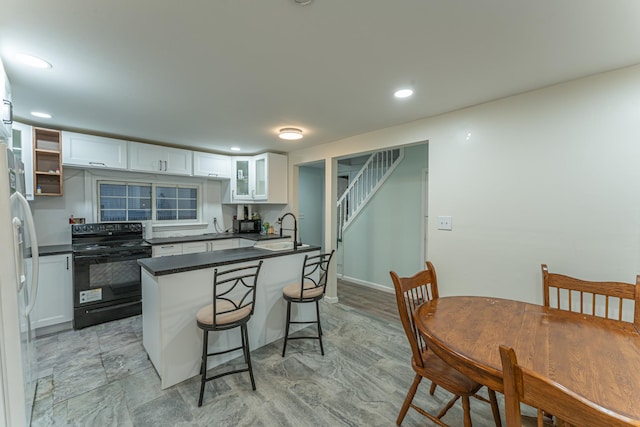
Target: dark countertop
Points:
(162, 266)
(54, 249)
(214, 236)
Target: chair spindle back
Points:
(602, 299)
(411, 292)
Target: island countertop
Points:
(173, 264)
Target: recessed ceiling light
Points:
(403, 93)
(41, 114)
(31, 61)
(290, 133)
(235, 148)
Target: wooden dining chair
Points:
(411, 292)
(602, 299)
(533, 389)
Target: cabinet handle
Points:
(213, 174)
(160, 165)
(10, 109)
(97, 164)
(165, 165)
(67, 262)
(166, 247)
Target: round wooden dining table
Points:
(594, 357)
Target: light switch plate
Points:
(444, 223)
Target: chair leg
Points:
(203, 365)
(286, 333)
(494, 407)
(319, 327)
(408, 399)
(466, 408)
(432, 389)
(247, 352)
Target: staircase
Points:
(371, 176)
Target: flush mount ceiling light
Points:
(403, 93)
(31, 61)
(290, 133)
(41, 115)
(303, 2)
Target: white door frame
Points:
(424, 216)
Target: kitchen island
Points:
(175, 287)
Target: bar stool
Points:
(310, 289)
(234, 296)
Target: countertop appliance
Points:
(18, 292)
(247, 226)
(106, 274)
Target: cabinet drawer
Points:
(166, 250)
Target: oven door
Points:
(106, 286)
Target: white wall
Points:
(546, 176)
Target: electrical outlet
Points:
(215, 220)
(444, 223)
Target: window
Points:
(124, 201)
(176, 203)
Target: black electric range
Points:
(106, 274)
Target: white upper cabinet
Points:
(159, 159)
(22, 147)
(93, 151)
(211, 165)
(259, 179)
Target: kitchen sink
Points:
(280, 246)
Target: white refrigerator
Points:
(18, 291)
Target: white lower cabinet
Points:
(166, 250)
(54, 301)
(196, 247)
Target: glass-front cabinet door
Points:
(260, 164)
(241, 179)
(21, 145)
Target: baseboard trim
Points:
(368, 284)
(330, 300)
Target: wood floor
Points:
(379, 303)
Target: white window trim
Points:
(91, 184)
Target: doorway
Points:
(311, 193)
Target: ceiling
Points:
(213, 74)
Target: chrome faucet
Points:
(295, 228)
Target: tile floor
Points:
(100, 376)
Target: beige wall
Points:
(547, 176)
